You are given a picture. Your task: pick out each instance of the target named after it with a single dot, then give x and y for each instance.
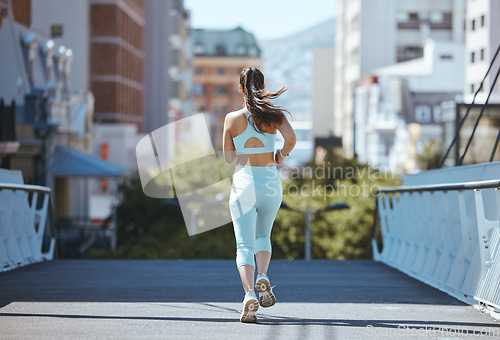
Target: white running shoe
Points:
(266, 296)
(250, 306)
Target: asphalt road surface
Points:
(201, 299)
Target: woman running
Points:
(249, 136)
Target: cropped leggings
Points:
(255, 198)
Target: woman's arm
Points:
(227, 141)
(290, 139)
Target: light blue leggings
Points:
(255, 198)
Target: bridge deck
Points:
(181, 299)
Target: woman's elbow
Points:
(229, 157)
(292, 140)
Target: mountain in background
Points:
(288, 62)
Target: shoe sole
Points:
(249, 310)
(266, 296)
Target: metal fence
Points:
(24, 236)
(446, 235)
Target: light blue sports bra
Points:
(268, 139)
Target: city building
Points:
(219, 57)
(398, 109)
(107, 43)
(322, 104)
(372, 34)
(321, 92)
(4, 10)
(51, 122)
(168, 94)
(117, 61)
(482, 39)
(482, 42)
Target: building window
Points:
(240, 49)
(199, 49)
(354, 55)
(413, 16)
(481, 54)
(482, 21)
(198, 70)
(221, 71)
(437, 113)
(354, 25)
(409, 52)
(220, 89)
(436, 17)
(422, 114)
(220, 49)
(472, 57)
(56, 31)
(220, 109)
(473, 25)
(402, 17)
(252, 51)
(198, 89)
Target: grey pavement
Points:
(184, 299)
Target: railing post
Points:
(308, 235)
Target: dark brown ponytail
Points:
(258, 102)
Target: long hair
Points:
(258, 101)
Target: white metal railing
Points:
(23, 216)
(446, 235)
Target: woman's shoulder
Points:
(234, 116)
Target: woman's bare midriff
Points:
(261, 159)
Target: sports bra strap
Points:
(268, 139)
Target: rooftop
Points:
(234, 43)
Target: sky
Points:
(266, 19)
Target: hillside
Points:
(288, 62)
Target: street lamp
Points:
(309, 213)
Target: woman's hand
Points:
(278, 158)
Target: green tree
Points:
(430, 156)
(343, 234)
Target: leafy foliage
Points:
(430, 156)
(342, 234)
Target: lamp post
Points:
(308, 214)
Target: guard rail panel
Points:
(23, 223)
(446, 235)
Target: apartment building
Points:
(219, 57)
(482, 39)
(399, 108)
(372, 34)
(117, 60)
(169, 58)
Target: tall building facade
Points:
(219, 57)
(168, 77)
(399, 108)
(107, 38)
(482, 40)
(117, 60)
(322, 85)
(371, 34)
